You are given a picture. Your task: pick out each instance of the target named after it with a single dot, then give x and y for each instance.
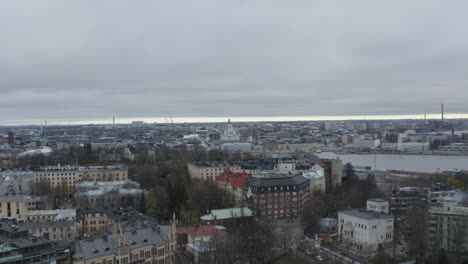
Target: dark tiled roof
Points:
(105, 245)
(286, 180)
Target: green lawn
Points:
(289, 259)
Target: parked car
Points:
(318, 257)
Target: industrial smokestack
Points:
(442, 112)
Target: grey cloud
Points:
(95, 59)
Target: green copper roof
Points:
(5, 248)
(14, 256)
(227, 214)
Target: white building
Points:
(379, 205)
(230, 134)
(236, 147)
(364, 230)
(316, 175)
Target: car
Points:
(308, 252)
(318, 257)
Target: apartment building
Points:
(68, 176)
(152, 245)
(233, 182)
(277, 196)
(22, 247)
(209, 170)
(15, 206)
(448, 226)
(113, 194)
(363, 230)
(97, 222)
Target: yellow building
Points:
(15, 206)
(66, 177)
(209, 170)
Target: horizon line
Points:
(224, 119)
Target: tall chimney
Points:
(442, 112)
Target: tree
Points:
(380, 257)
(349, 170)
(313, 210)
(442, 258)
(142, 203)
(415, 226)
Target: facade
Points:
(378, 205)
(448, 227)
(154, 244)
(233, 182)
(317, 179)
(97, 222)
(51, 224)
(404, 199)
(195, 242)
(15, 206)
(236, 147)
(52, 230)
(112, 194)
(230, 134)
(21, 247)
(69, 176)
(51, 215)
(15, 182)
(364, 230)
(277, 196)
(209, 170)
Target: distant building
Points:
(18, 246)
(230, 134)
(138, 124)
(277, 196)
(100, 221)
(404, 199)
(209, 170)
(15, 182)
(236, 147)
(69, 176)
(113, 194)
(15, 206)
(196, 242)
(363, 230)
(233, 182)
(227, 217)
(378, 205)
(153, 244)
(317, 179)
(448, 226)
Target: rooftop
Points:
(105, 245)
(366, 214)
(377, 200)
(203, 230)
(228, 213)
(285, 180)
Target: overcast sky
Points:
(96, 59)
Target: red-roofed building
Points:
(233, 182)
(194, 241)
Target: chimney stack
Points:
(442, 112)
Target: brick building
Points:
(277, 196)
